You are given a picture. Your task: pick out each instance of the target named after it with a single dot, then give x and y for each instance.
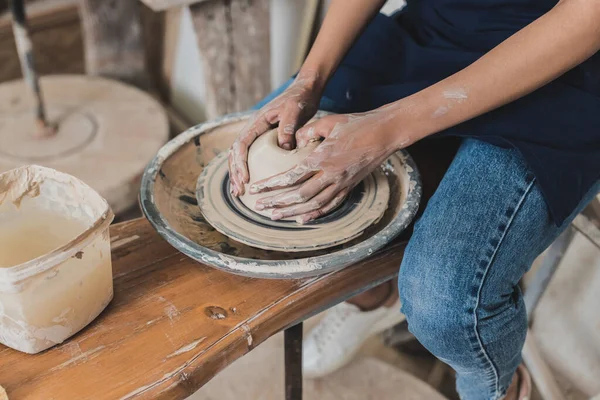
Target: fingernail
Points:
(286, 146)
(276, 215)
(254, 189)
(260, 207)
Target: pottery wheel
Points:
(237, 219)
(106, 132)
(168, 199)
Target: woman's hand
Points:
(354, 145)
(291, 109)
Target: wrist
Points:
(313, 79)
(411, 119)
(397, 125)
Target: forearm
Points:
(344, 21)
(536, 55)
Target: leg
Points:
(293, 362)
(458, 281)
(384, 295)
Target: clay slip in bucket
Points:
(55, 265)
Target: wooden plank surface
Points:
(174, 323)
(154, 27)
(114, 42)
(55, 31)
(233, 40)
(172, 21)
(250, 30)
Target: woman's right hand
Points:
(291, 109)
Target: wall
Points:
(187, 82)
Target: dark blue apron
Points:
(556, 128)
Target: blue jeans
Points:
(479, 234)
(458, 281)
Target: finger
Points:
(260, 123)
(240, 152)
(291, 177)
(235, 159)
(316, 130)
(332, 205)
(313, 204)
(307, 134)
(238, 166)
(304, 193)
(288, 124)
(232, 179)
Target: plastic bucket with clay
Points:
(55, 265)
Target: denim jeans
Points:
(458, 281)
(479, 234)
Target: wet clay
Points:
(265, 159)
(55, 264)
(238, 219)
(37, 233)
(170, 189)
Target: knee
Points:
(433, 304)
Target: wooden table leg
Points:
(293, 362)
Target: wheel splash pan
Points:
(168, 201)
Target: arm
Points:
(355, 145)
(547, 48)
(300, 101)
(344, 22)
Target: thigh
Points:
(487, 201)
(480, 232)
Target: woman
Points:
(519, 81)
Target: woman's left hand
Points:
(354, 146)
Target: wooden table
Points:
(175, 323)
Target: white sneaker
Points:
(339, 335)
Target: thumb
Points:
(308, 133)
(318, 129)
(288, 124)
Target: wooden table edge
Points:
(243, 338)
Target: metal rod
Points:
(293, 362)
(25, 51)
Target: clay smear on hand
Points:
(265, 159)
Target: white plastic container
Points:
(55, 265)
